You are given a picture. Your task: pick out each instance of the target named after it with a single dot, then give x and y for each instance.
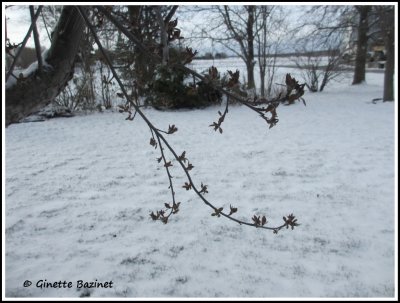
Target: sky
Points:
(18, 22)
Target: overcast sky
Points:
(18, 22)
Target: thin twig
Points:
(170, 14)
(166, 165)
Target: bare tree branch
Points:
(171, 14)
(36, 38)
(181, 159)
(27, 36)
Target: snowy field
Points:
(79, 192)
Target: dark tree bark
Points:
(388, 94)
(362, 43)
(387, 23)
(164, 36)
(250, 44)
(36, 38)
(262, 48)
(41, 87)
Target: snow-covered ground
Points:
(79, 192)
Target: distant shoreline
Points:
(348, 68)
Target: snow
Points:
(79, 192)
(28, 71)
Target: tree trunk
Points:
(39, 88)
(262, 49)
(324, 82)
(262, 78)
(36, 38)
(250, 43)
(250, 74)
(164, 37)
(362, 40)
(388, 94)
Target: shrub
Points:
(171, 91)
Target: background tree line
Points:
(256, 34)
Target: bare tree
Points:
(233, 27)
(355, 22)
(367, 23)
(31, 92)
(319, 54)
(310, 67)
(240, 23)
(269, 22)
(386, 18)
(362, 43)
(333, 68)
